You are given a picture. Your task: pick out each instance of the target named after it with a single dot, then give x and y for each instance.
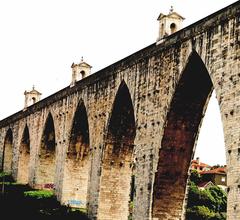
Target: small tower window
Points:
(34, 100)
(162, 30)
(173, 28)
(82, 74)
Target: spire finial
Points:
(33, 87)
(82, 59)
(171, 9)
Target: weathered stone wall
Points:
(169, 88)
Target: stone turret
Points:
(169, 24)
(80, 71)
(31, 97)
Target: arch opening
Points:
(46, 160)
(24, 157)
(8, 152)
(162, 30)
(173, 28)
(116, 174)
(77, 163)
(83, 74)
(180, 134)
(211, 137)
(34, 100)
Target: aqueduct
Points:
(138, 117)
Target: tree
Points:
(199, 212)
(206, 204)
(220, 198)
(198, 197)
(195, 177)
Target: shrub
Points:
(195, 177)
(5, 177)
(199, 212)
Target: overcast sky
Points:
(39, 40)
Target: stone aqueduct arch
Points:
(46, 157)
(184, 117)
(117, 158)
(140, 116)
(77, 162)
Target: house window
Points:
(173, 28)
(223, 179)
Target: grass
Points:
(39, 194)
(29, 204)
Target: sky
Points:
(39, 40)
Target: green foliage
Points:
(12, 183)
(195, 177)
(5, 177)
(216, 166)
(204, 213)
(83, 210)
(199, 213)
(206, 204)
(39, 194)
(198, 197)
(131, 206)
(220, 197)
(2, 174)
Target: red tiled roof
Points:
(204, 184)
(219, 170)
(200, 164)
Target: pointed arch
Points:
(8, 151)
(47, 160)
(24, 157)
(116, 175)
(48, 137)
(77, 163)
(79, 133)
(122, 121)
(181, 130)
